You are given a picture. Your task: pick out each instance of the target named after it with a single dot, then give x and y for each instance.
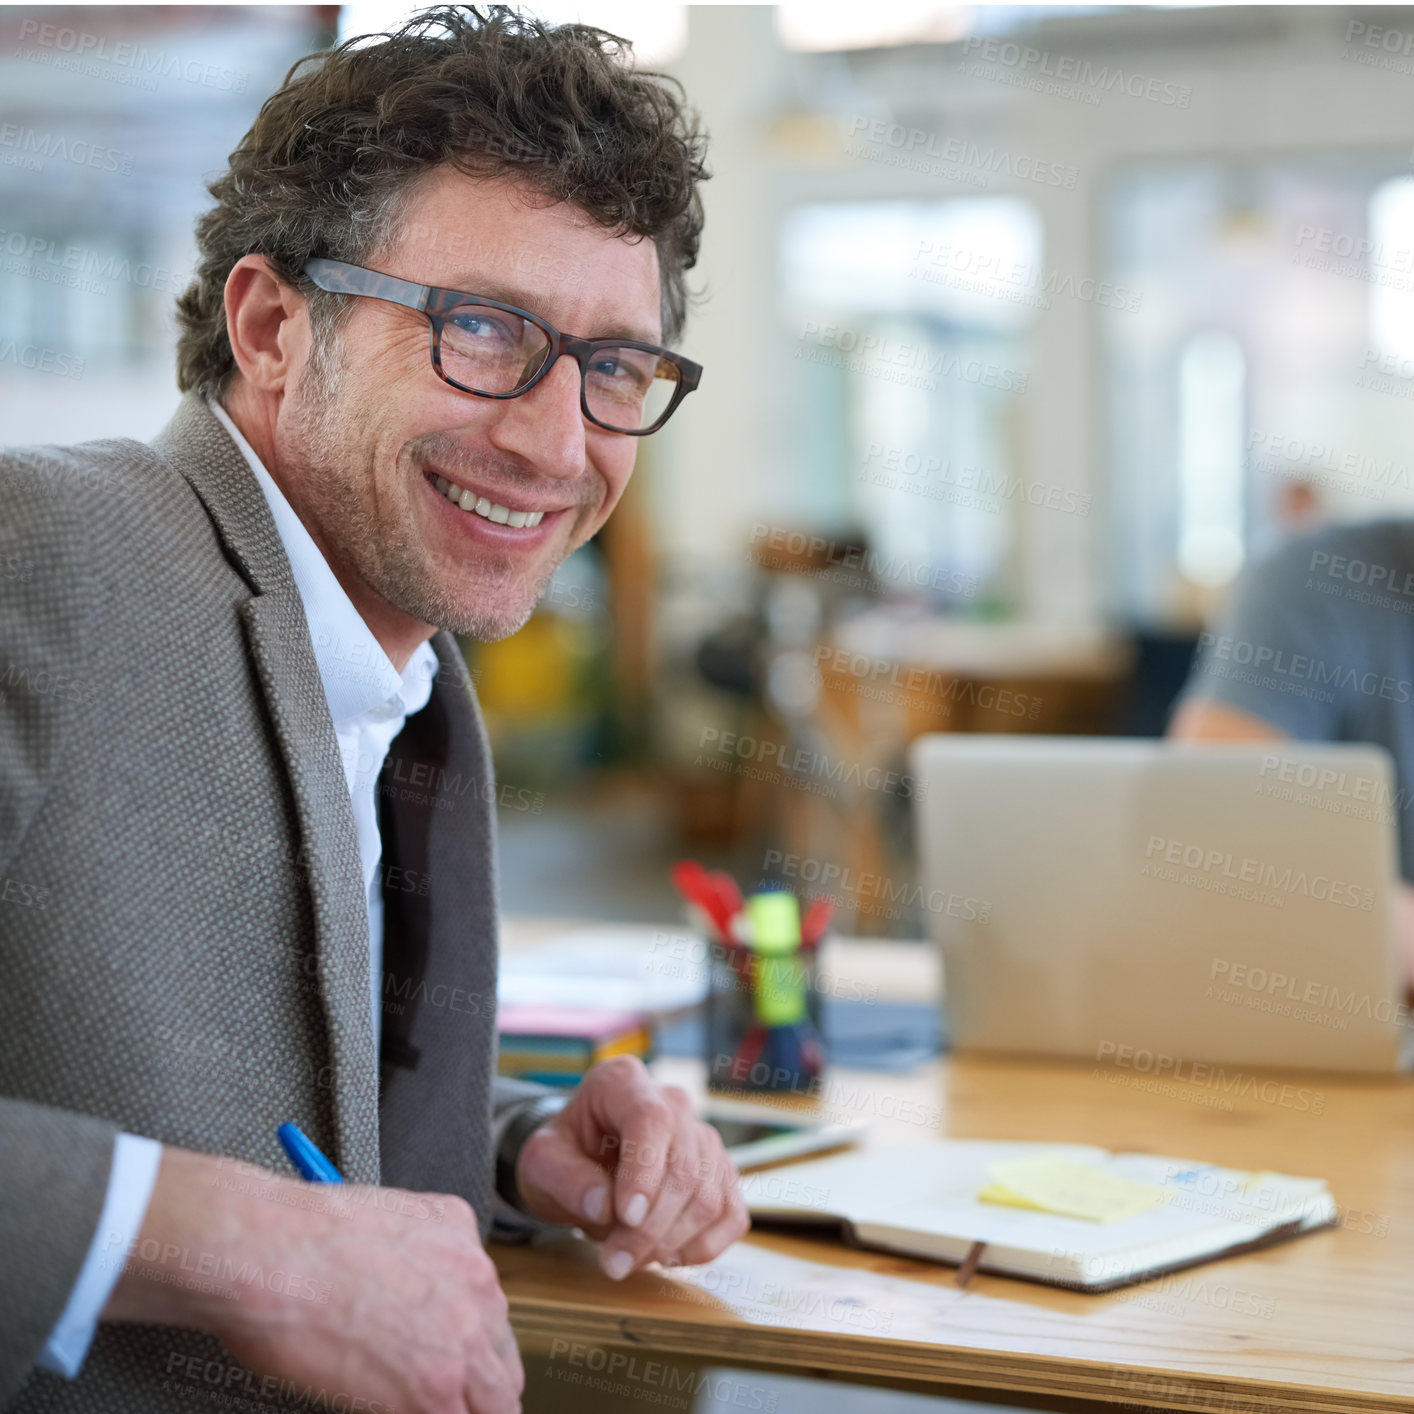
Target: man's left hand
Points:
(628, 1162)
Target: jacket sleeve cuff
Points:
(511, 1126)
(130, 1183)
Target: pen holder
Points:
(732, 975)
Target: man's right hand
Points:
(367, 1293)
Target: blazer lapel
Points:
(277, 633)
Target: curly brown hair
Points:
(334, 152)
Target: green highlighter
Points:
(773, 935)
(781, 1043)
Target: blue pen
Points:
(305, 1156)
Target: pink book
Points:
(578, 1022)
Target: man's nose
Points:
(545, 426)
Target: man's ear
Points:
(267, 323)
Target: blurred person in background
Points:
(1316, 643)
(246, 802)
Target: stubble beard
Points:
(383, 548)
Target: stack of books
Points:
(555, 1045)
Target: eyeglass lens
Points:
(490, 351)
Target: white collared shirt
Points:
(369, 701)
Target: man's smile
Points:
(490, 510)
(509, 520)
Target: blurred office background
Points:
(1024, 329)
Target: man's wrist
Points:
(195, 1231)
(519, 1128)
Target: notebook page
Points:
(874, 1184)
(891, 1196)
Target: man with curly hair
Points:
(246, 805)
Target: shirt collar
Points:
(357, 674)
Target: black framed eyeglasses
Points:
(495, 350)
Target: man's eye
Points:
(481, 327)
(614, 368)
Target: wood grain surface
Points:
(1323, 1323)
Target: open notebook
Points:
(1063, 1214)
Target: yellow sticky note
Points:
(1053, 1185)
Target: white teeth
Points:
(488, 510)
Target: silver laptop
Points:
(1164, 907)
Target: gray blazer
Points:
(183, 939)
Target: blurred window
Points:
(1211, 433)
(908, 328)
(103, 158)
(1265, 383)
(1392, 301)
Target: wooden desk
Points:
(1325, 1323)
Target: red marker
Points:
(817, 919)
